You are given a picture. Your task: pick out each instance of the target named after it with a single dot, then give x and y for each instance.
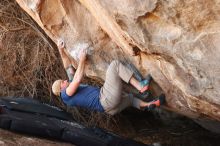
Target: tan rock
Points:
(175, 41)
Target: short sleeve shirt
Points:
(86, 96)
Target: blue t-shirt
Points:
(85, 96)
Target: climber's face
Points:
(64, 84)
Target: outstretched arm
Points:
(72, 61)
(66, 58)
(71, 89)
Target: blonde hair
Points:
(56, 89)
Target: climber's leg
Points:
(110, 93)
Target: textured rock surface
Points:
(178, 42)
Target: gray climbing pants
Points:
(110, 94)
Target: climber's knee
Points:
(114, 64)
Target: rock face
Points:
(177, 42)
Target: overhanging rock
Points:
(177, 42)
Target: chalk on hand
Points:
(78, 47)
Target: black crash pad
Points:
(34, 107)
(32, 117)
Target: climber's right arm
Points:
(71, 89)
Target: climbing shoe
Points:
(145, 84)
(144, 96)
(156, 103)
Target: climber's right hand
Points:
(83, 54)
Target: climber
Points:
(107, 99)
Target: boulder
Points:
(177, 42)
